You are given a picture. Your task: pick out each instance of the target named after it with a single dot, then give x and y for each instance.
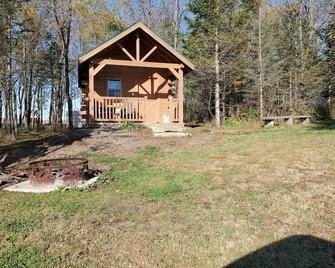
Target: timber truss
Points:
(137, 61)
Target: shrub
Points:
(206, 130)
(233, 122)
(253, 113)
(128, 126)
(320, 108)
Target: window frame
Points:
(114, 79)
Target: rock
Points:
(270, 124)
(4, 177)
(306, 122)
(290, 121)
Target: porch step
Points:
(171, 134)
(168, 127)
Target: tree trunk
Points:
(223, 101)
(20, 104)
(64, 28)
(58, 100)
(12, 131)
(301, 57)
(28, 101)
(217, 82)
(41, 106)
(24, 83)
(58, 109)
(52, 100)
(311, 19)
(1, 102)
(260, 58)
(290, 100)
(6, 107)
(67, 89)
(14, 107)
(177, 7)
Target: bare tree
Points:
(217, 81)
(63, 15)
(260, 59)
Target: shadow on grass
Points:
(324, 125)
(40, 147)
(294, 251)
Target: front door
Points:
(151, 111)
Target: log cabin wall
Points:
(153, 83)
(135, 82)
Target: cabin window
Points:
(114, 88)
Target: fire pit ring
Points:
(60, 171)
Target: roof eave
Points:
(132, 28)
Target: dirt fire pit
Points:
(61, 171)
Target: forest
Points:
(253, 57)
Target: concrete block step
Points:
(171, 134)
(170, 127)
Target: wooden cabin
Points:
(135, 76)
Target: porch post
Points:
(181, 95)
(145, 109)
(138, 56)
(90, 93)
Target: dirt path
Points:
(103, 141)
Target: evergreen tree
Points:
(220, 43)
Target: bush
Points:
(128, 126)
(252, 113)
(320, 108)
(233, 122)
(206, 130)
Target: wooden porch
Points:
(118, 109)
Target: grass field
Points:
(227, 201)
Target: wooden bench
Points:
(271, 121)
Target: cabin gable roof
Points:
(166, 48)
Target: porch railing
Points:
(116, 109)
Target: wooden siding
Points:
(136, 82)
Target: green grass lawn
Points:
(205, 207)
